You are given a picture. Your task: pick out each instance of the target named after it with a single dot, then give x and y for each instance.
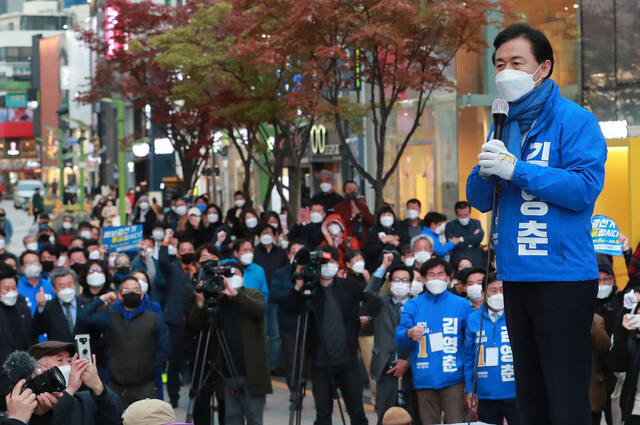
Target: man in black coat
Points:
(58, 317)
(333, 353)
(470, 233)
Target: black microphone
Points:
(500, 110)
(19, 365)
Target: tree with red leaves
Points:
(403, 47)
(127, 69)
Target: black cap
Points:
(605, 266)
(49, 348)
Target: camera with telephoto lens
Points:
(49, 381)
(311, 263)
(211, 275)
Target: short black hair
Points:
(465, 273)
(433, 263)
(344, 185)
(461, 205)
(350, 255)
(78, 249)
(52, 250)
(209, 247)
(540, 45)
(398, 268)
(239, 192)
(239, 242)
(28, 252)
(414, 201)
(433, 217)
(181, 241)
(76, 238)
(491, 277)
(236, 265)
(294, 242)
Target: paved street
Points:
(22, 224)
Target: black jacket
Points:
(88, 409)
(327, 200)
(624, 356)
(52, 322)
(177, 280)
(374, 247)
(310, 234)
(7, 342)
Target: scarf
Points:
(522, 115)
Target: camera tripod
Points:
(202, 362)
(298, 379)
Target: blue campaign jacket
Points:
(439, 249)
(447, 314)
(544, 219)
(493, 382)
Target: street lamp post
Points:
(121, 160)
(82, 163)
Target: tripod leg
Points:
(298, 382)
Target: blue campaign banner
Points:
(122, 238)
(605, 233)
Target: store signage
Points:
(614, 129)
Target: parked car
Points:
(24, 191)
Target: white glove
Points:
(496, 160)
(629, 300)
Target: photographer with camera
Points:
(25, 407)
(95, 404)
(332, 336)
(139, 340)
(238, 313)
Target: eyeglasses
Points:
(128, 290)
(96, 270)
(605, 279)
(401, 279)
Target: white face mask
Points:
(86, 234)
(112, 261)
(10, 298)
(32, 246)
(148, 252)
(66, 295)
(440, 228)
(513, 84)
(196, 218)
(96, 279)
(66, 225)
(334, 229)
(284, 244)
(144, 286)
(413, 214)
(157, 235)
(172, 250)
(416, 288)
(251, 222)
(409, 261)
(266, 239)
(400, 289)
(2, 243)
(213, 218)
(358, 267)
(61, 261)
(66, 371)
(325, 187)
(235, 282)
(94, 255)
(464, 221)
(422, 256)
(144, 206)
(437, 286)
(181, 210)
(386, 221)
(474, 292)
(246, 259)
(240, 203)
(604, 291)
(496, 302)
(52, 240)
(316, 217)
(329, 270)
(32, 271)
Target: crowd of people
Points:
(405, 297)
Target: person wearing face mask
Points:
(335, 235)
(335, 315)
(469, 285)
(30, 243)
(211, 220)
(249, 225)
(413, 225)
(5, 226)
(254, 275)
(145, 215)
(468, 230)
(35, 288)
(15, 324)
(240, 205)
(66, 232)
(3, 247)
(58, 318)
(495, 384)
(145, 262)
(178, 271)
(49, 259)
(180, 220)
(432, 328)
(550, 165)
(309, 226)
(355, 212)
(434, 225)
(608, 300)
(384, 236)
(422, 247)
(139, 340)
(270, 257)
(390, 367)
(241, 313)
(85, 400)
(327, 196)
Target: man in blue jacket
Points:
(434, 225)
(551, 170)
(432, 328)
(495, 383)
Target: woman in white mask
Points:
(249, 225)
(384, 236)
(145, 215)
(355, 266)
(335, 235)
(98, 279)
